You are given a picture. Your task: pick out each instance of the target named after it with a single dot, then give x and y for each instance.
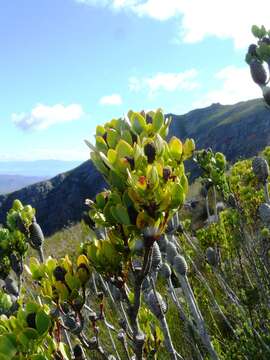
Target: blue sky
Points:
(68, 65)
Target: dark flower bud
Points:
(105, 136)
(31, 320)
(78, 352)
(132, 214)
(149, 119)
(59, 273)
(134, 138)
(131, 162)
(166, 173)
(150, 152)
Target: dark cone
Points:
(36, 235)
(150, 152)
(258, 72)
(260, 168)
(252, 50)
(156, 258)
(264, 213)
(156, 303)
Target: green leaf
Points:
(124, 149)
(99, 164)
(100, 200)
(158, 120)
(31, 307)
(72, 281)
(112, 156)
(38, 357)
(101, 144)
(120, 214)
(138, 123)
(43, 322)
(100, 131)
(112, 138)
(176, 148)
(256, 31)
(127, 137)
(188, 148)
(178, 196)
(8, 345)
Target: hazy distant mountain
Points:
(239, 131)
(40, 168)
(10, 183)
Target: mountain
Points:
(239, 131)
(10, 183)
(40, 168)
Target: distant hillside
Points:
(10, 183)
(60, 200)
(40, 168)
(239, 131)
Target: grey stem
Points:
(94, 283)
(41, 254)
(184, 318)
(207, 207)
(216, 305)
(111, 338)
(194, 309)
(125, 316)
(165, 328)
(67, 338)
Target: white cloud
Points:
(235, 85)
(114, 99)
(228, 19)
(165, 82)
(43, 116)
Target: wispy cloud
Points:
(200, 19)
(114, 99)
(42, 116)
(235, 85)
(169, 82)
